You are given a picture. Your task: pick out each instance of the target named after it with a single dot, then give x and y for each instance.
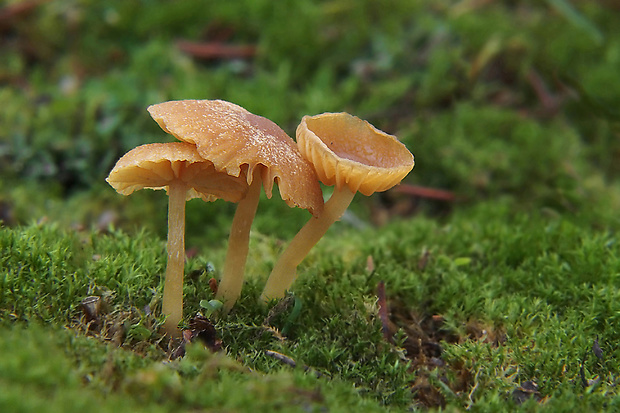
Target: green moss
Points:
(522, 296)
(51, 370)
(512, 108)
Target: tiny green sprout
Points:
(295, 312)
(399, 338)
(139, 332)
(461, 261)
(211, 306)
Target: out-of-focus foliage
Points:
(511, 107)
(77, 76)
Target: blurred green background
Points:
(495, 99)
(511, 108)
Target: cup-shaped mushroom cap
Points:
(348, 151)
(237, 141)
(156, 165)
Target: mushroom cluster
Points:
(226, 152)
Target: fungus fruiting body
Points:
(241, 143)
(353, 156)
(178, 168)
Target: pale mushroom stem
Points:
(285, 270)
(230, 286)
(172, 305)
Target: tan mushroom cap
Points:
(346, 150)
(156, 165)
(237, 141)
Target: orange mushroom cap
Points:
(348, 151)
(237, 141)
(155, 165)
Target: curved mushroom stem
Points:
(172, 305)
(229, 289)
(285, 270)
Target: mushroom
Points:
(178, 168)
(241, 143)
(354, 156)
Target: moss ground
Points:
(504, 297)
